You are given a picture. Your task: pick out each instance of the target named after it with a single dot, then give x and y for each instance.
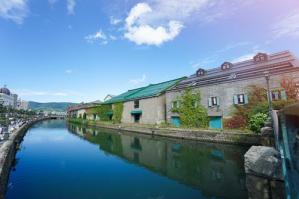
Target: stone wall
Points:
(153, 110)
(225, 92)
(263, 168)
(198, 135)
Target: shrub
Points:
(101, 111)
(261, 107)
(258, 103)
(192, 113)
(290, 86)
(235, 122)
(257, 121)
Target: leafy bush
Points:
(101, 111)
(261, 107)
(191, 112)
(235, 122)
(258, 103)
(257, 121)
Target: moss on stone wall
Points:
(192, 113)
(101, 111)
(117, 112)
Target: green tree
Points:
(192, 113)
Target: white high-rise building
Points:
(7, 98)
(22, 105)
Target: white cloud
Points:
(69, 71)
(26, 93)
(137, 11)
(233, 46)
(178, 9)
(15, 10)
(138, 80)
(206, 61)
(112, 37)
(203, 63)
(288, 26)
(249, 56)
(145, 33)
(244, 57)
(51, 2)
(115, 21)
(154, 22)
(99, 36)
(71, 6)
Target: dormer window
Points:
(226, 66)
(260, 57)
(200, 72)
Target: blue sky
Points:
(76, 50)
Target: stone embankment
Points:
(8, 150)
(248, 139)
(263, 168)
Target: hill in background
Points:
(50, 106)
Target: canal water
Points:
(66, 161)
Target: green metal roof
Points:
(144, 92)
(122, 97)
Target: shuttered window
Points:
(136, 104)
(278, 95)
(213, 101)
(240, 99)
(175, 104)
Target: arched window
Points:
(200, 72)
(226, 66)
(260, 57)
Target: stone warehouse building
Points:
(226, 85)
(81, 111)
(146, 105)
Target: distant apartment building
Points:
(227, 85)
(7, 98)
(22, 104)
(81, 110)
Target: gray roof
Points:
(5, 90)
(277, 63)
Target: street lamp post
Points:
(267, 76)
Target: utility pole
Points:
(267, 76)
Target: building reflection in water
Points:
(214, 169)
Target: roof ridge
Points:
(143, 88)
(167, 81)
(157, 83)
(215, 68)
(137, 91)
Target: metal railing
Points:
(285, 129)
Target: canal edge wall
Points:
(8, 151)
(203, 136)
